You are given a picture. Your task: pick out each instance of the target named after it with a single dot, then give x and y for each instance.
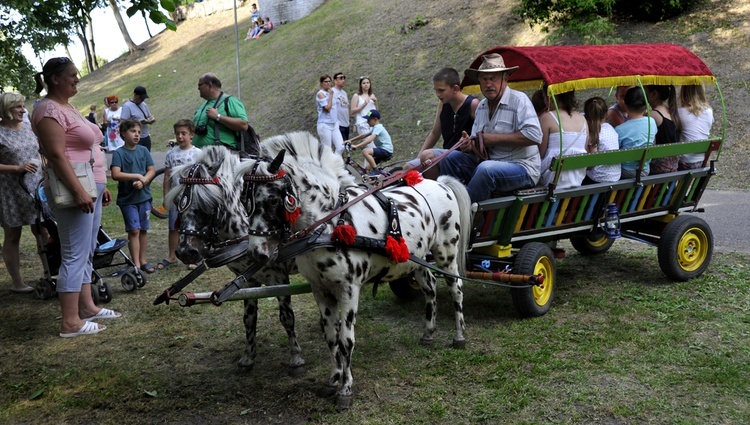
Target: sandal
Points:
(164, 264)
(148, 268)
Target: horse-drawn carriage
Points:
(303, 212)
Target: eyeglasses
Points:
(200, 83)
(113, 103)
(341, 77)
(61, 60)
(327, 81)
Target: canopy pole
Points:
(237, 50)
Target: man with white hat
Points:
(509, 127)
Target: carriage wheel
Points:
(593, 243)
(535, 258)
(407, 288)
(685, 248)
(128, 282)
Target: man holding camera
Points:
(220, 118)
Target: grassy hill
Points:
(279, 71)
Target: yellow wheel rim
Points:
(543, 292)
(598, 242)
(692, 249)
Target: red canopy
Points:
(566, 68)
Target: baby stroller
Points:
(106, 249)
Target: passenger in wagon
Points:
(455, 114)
(617, 114)
(697, 118)
(572, 141)
(507, 123)
(637, 132)
(602, 137)
(663, 101)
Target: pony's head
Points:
(207, 198)
(289, 192)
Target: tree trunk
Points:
(86, 50)
(90, 34)
(123, 29)
(146, 21)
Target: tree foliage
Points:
(590, 21)
(45, 24)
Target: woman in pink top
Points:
(66, 137)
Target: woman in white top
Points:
(572, 140)
(112, 121)
(697, 118)
(602, 137)
(362, 102)
(328, 129)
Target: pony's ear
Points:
(276, 163)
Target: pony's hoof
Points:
(296, 362)
(246, 363)
(344, 402)
(327, 391)
(426, 342)
(459, 344)
(296, 371)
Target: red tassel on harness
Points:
(291, 208)
(344, 233)
(413, 177)
(397, 251)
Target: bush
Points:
(653, 10)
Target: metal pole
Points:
(237, 50)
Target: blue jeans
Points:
(486, 177)
(136, 216)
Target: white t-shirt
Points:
(695, 128)
(114, 141)
(341, 103)
(177, 156)
(608, 141)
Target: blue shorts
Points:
(136, 216)
(380, 154)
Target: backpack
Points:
(248, 141)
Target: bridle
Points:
(291, 201)
(210, 233)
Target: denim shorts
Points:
(136, 216)
(380, 154)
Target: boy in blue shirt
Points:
(637, 132)
(383, 150)
(133, 168)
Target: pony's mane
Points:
(304, 153)
(221, 163)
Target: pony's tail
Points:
(464, 208)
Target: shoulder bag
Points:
(62, 197)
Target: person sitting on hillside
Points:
(254, 13)
(257, 29)
(266, 28)
(638, 131)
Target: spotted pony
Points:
(211, 213)
(433, 218)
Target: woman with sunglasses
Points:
(362, 102)
(112, 121)
(65, 137)
(328, 129)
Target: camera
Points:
(201, 130)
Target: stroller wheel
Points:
(105, 292)
(128, 281)
(95, 292)
(45, 289)
(140, 279)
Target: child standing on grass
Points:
(133, 168)
(182, 154)
(383, 150)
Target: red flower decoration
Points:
(344, 233)
(396, 250)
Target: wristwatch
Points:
(218, 117)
